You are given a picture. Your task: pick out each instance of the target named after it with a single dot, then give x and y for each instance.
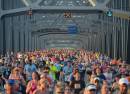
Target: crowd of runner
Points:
(63, 71)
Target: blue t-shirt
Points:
(67, 70)
(102, 77)
(30, 69)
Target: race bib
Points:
(77, 86)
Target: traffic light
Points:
(109, 13)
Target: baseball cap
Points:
(60, 84)
(91, 87)
(96, 78)
(123, 81)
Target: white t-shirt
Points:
(108, 76)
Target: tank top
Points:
(33, 87)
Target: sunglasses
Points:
(124, 84)
(16, 70)
(96, 81)
(60, 92)
(67, 89)
(46, 72)
(92, 90)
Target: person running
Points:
(15, 75)
(32, 85)
(29, 68)
(90, 89)
(42, 87)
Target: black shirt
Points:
(77, 86)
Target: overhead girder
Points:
(61, 22)
(61, 9)
(38, 2)
(78, 9)
(60, 2)
(53, 9)
(36, 7)
(64, 41)
(82, 25)
(60, 31)
(59, 37)
(56, 24)
(69, 36)
(106, 2)
(64, 27)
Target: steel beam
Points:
(54, 9)
(106, 2)
(60, 36)
(38, 2)
(84, 27)
(61, 9)
(0, 5)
